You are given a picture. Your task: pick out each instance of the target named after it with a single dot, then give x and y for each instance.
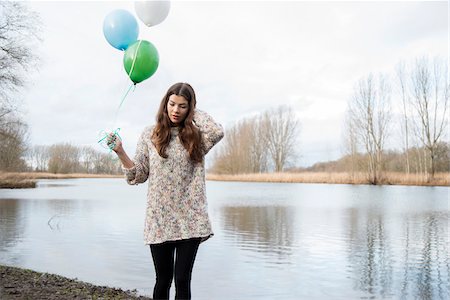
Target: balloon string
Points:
(134, 58)
(121, 102)
(133, 84)
(116, 132)
(105, 136)
(126, 94)
(110, 141)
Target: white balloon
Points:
(152, 12)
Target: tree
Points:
(19, 28)
(88, 159)
(369, 113)
(350, 143)
(430, 93)
(281, 130)
(258, 146)
(243, 150)
(106, 163)
(401, 76)
(64, 158)
(13, 145)
(251, 143)
(38, 157)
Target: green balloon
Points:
(140, 60)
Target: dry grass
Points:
(391, 178)
(16, 180)
(38, 175)
(9, 183)
(28, 179)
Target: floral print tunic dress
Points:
(176, 198)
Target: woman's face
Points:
(177, 109)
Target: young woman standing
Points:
(170, 155)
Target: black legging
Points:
(163, 258)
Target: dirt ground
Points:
(16, 283)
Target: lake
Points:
(272, 240)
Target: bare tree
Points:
(369, 112)
(64, 158)
(430, 96)
(19, 30)
(281, 129)
(109, 164)
(401, 76)
(244, 146)
(13, 145)
(251, 143)
(350, 142)
(88, 159)
(258, 149)
(243, 150)
(38, 157)
(227, 160)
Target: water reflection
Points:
(12, 225)
(264, 229)
(370, 253)
(430, 271)
(52, 185)
(420, 245)
(60, 211)
(390, 248)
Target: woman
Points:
(171, 155)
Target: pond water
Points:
(272, 240)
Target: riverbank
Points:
(390, 178)
(29, 179)
(21, 180)
(17, 283)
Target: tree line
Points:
(16, 155)
(414, 100)
(66, 158)
(392, 161)
(421, 88)
(61, 158)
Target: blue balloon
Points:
(120, 29)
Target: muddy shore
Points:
(17, 283)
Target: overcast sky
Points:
(242, 58)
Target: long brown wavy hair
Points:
(189, 134)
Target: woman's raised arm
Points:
(212, 132)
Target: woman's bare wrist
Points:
(119, 151)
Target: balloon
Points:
(140, 60)
(120, 29)
(152, 12)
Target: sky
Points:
(242, 58)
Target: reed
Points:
(20, 180)
(388, 178)
(17, 183)
(28, 179)
(42, 175)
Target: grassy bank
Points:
(391, 178)
(28, 179)
(17, 283)
(16, 180)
